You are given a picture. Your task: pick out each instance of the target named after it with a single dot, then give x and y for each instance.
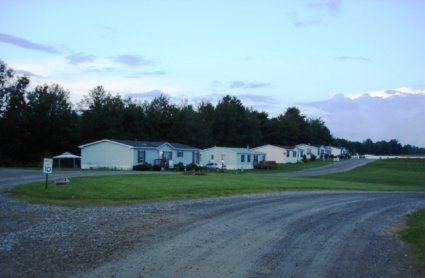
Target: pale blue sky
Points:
(271, 54)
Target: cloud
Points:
(348, 58)
(306, 23)
(147, 95)
(331, 7)
(380, 115)
(80, 57)
(27, 44)
(132, 60)
(158, 72)
(315, 13)
(28, 73)
(257, 98)
(251, 85)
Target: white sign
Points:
(47, 165)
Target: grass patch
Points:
(414, 233)
(386, 174)
(382, 175)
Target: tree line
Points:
(42, 122)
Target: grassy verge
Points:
(414, 233)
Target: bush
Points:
(142, 167)
(179, 167)
(192, 167)
(156, 168)
(313, 157)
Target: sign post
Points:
(47, 168)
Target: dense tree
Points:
(13, 118)
(318, 133)
(161, 116)
(51, 122)
(228, 124)
(102, 115)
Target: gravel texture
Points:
(293, 234)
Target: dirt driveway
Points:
(308, 234)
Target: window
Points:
(180, 154)
(242, 158)
(255, 158)
(287, 154)
(294, 154)
(141, 156)
(248, 158)
(167, 155)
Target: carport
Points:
(66, 155)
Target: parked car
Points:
(214, 166)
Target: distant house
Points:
(336, 151)
(308, 150)
(124, 154)
(281, 154)
(232, 158)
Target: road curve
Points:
(282, 235)
(292, 234)
(336, 167)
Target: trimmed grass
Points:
(405, 173)
(381, 175)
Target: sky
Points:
(334, 59)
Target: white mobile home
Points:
(124, 154)
(281, 154)
(308, 150)
(232, 158)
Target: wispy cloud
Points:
(315, 13)
(347, 58)
(29, 73)
(331, 7)
(306, 23)
(257, 98)
(251, 85)
(147, 95)
(158, 72)
(133, 60)
(27, 44)
(80, 57)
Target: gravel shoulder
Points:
(292, 234)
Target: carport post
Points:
(47, 178)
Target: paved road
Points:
(340, 166)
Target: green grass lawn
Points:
(381, 175)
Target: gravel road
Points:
(292, 234)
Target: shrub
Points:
(142, 167)
(192, 167)
(179, 167)
(313, 157)
(156, 168)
